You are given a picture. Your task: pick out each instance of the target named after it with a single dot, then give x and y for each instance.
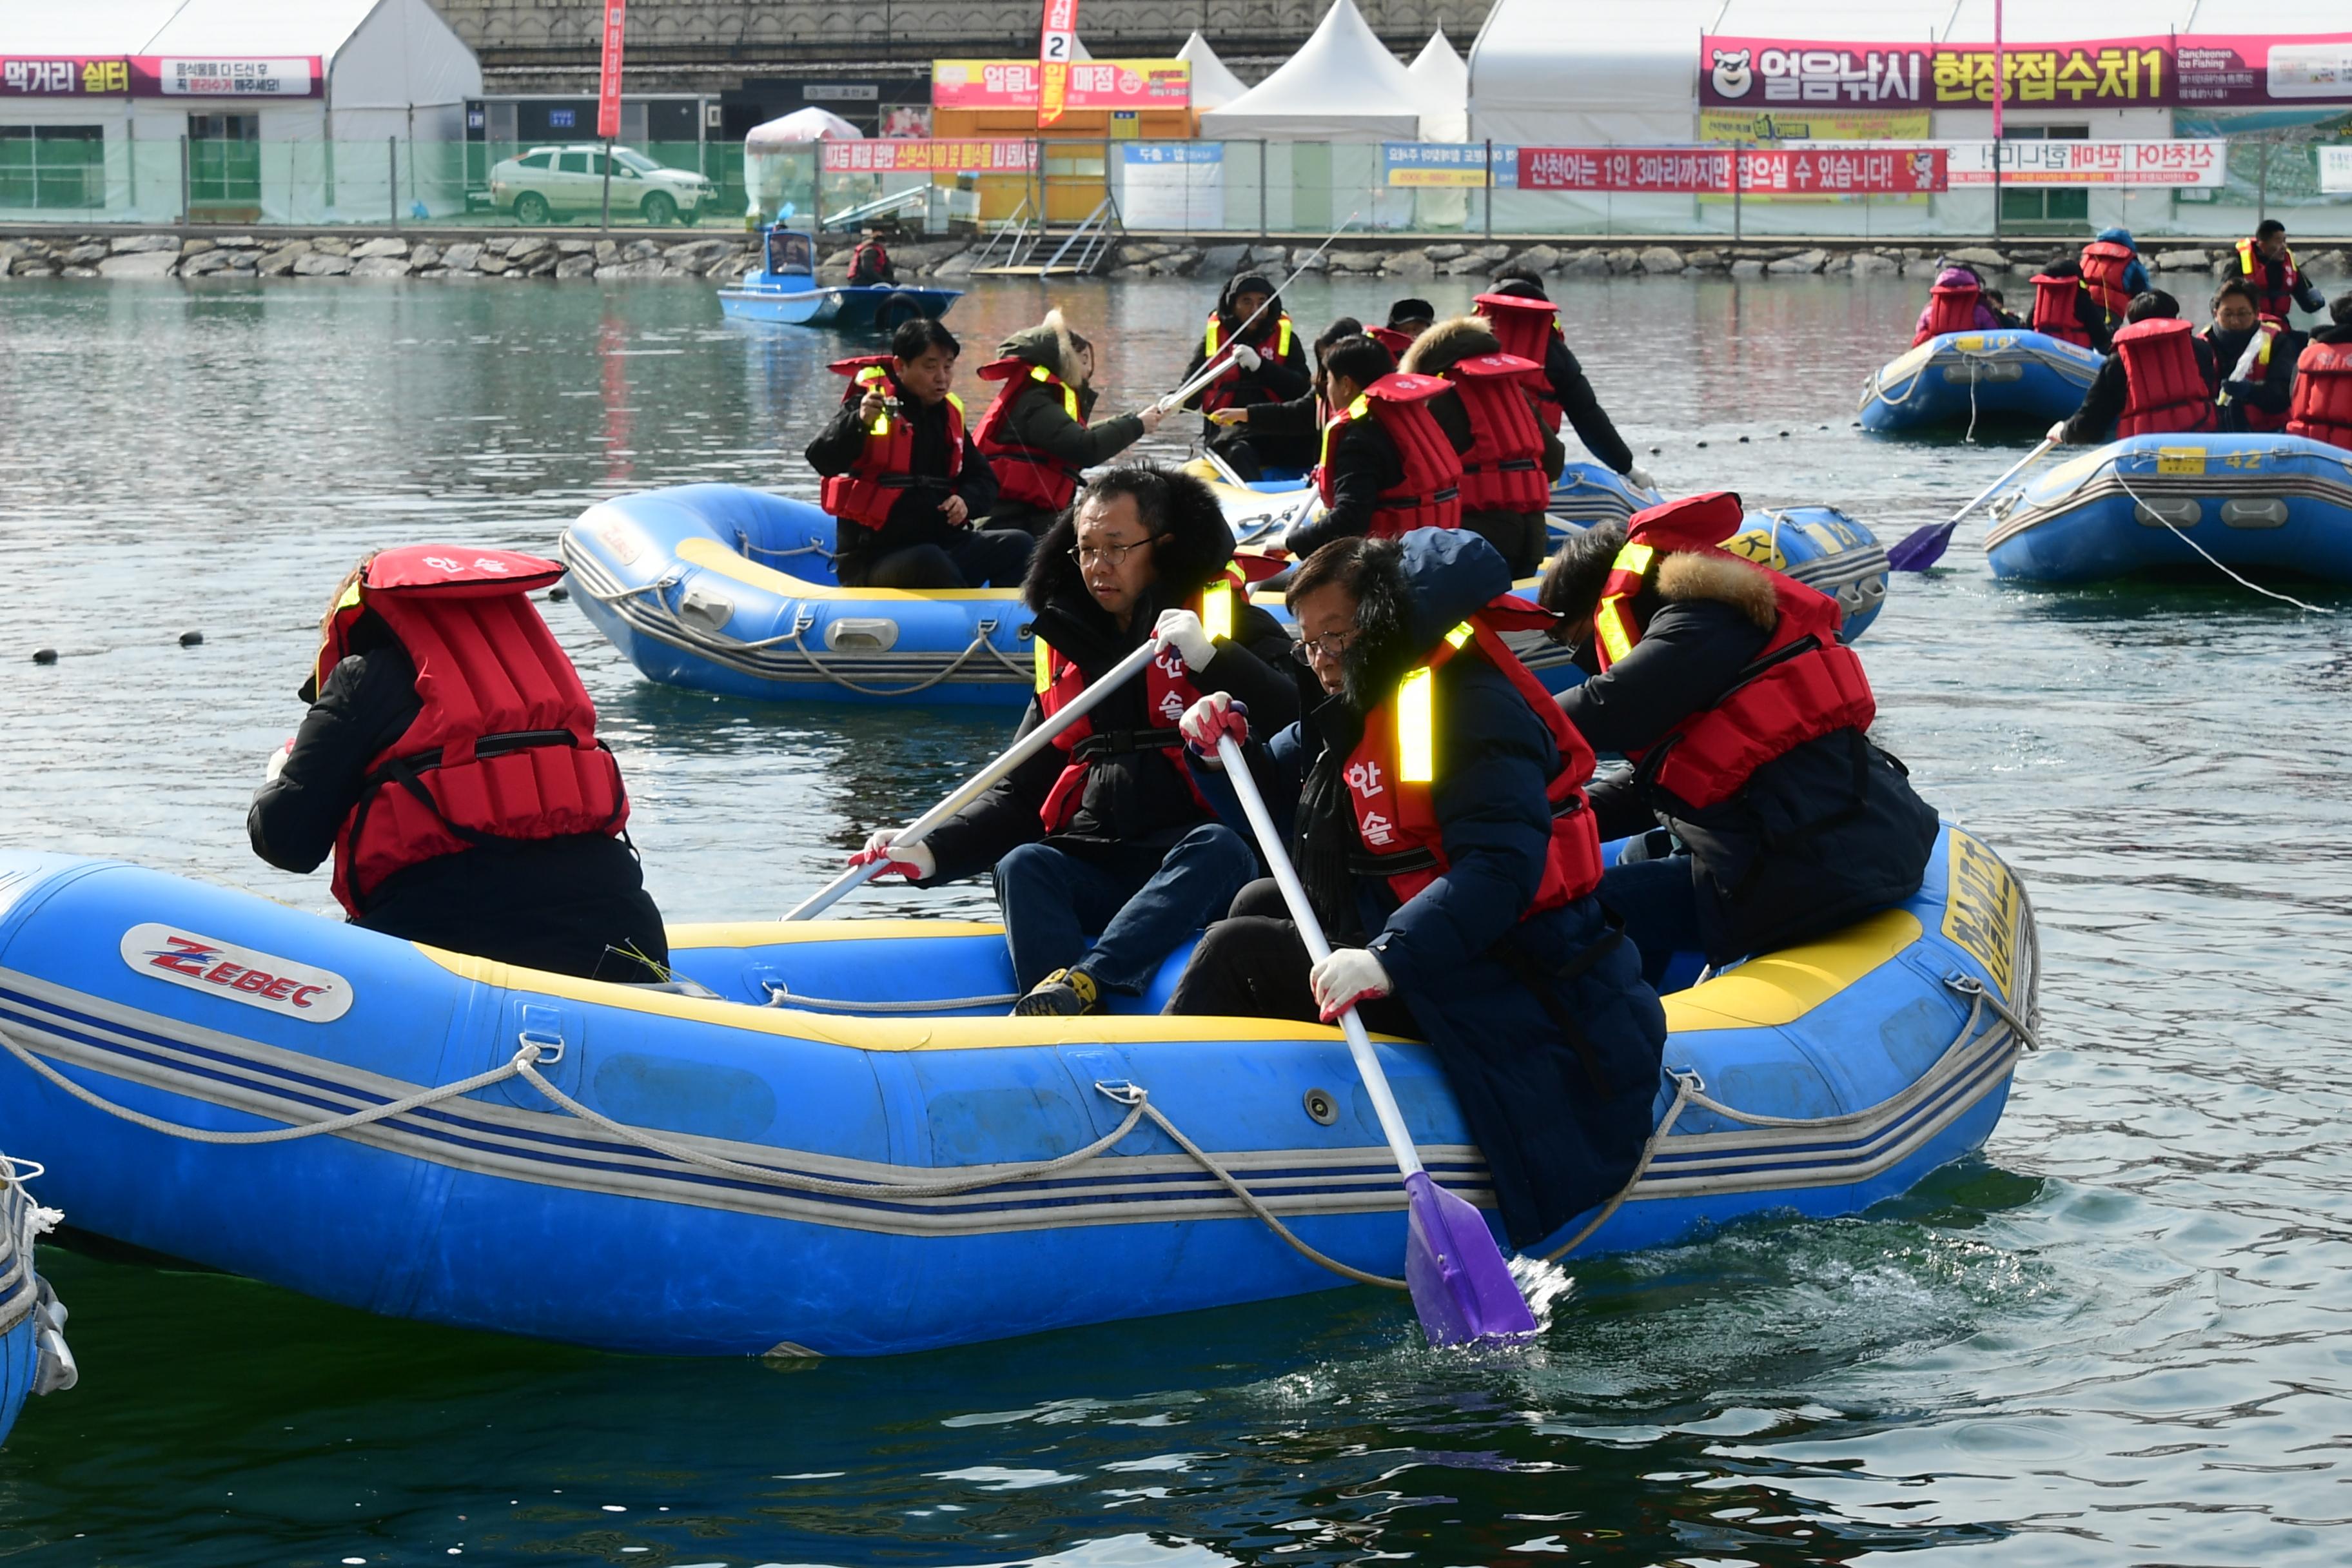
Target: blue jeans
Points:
(1659, 904)
(1053, 901)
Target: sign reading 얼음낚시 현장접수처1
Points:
(1678, 171)
(2150, 71)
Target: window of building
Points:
(52, 166)
(2028, 205)
(225, 163)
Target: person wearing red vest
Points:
(1292, 429)
(1507, 473)
(870, 263)
(2160, 379)
(2113, 274)
(1724, 683)
(1391, 451)
(1106, 834)
(449, 764)
(2322, 407)
(1441, 832)
(1527, 324)
(902, 478)
(1267, 365)
(1408, 319)
(2256, 357)
(2267, 269)
(2062, 308)
(1954, 304)
(1036, 435)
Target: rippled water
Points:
(2119, 1338)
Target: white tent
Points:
(1213, 86)
(1342, 85)
(802, 125)
(1444, 83)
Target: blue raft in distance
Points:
(846, 1148)
(1974, 379)
(2149, 504)
(725, 589)
(786, 290)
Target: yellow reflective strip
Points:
(1039, 373)
(1416, 710)
(1610, 622)
(956, 401)
(1362, 406)
(350, 595)
(882, 424)
(1634, 558)
(1070, 403)
(1282, 341)
(1460, 634)
(1209, 341)
(1217, 609)
(1044, 658)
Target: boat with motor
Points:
(1969, 380)
(829, 1138)
(33, 1354)
(786, 290)
(725, 589)
(2180, 503)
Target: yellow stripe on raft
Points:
(1766, 992)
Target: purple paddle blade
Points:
(1921, 548)
(1461, 1286)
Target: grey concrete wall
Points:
(690, 44)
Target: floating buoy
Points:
(1784, 435)
(1702, 443)
(191, 639)
(45, 656)
(1656, 451)
(1743, 440)
(557, 594)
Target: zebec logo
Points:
(264, 979)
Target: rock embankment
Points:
(723, 257)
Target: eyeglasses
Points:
(1087, 554)
(1333, 646)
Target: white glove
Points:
(277, 763)
(1182, 630)
(2058, 432)
(1641, 476)
(916, 862)
(1246, 357)
(1348, 976)
(1213, 715)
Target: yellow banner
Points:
(1766, 126)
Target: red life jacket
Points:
(2322, 410)
(1503, 471)
(2260, 421)
(1528, 328)
(2104, 262)
(864, 247)
(1389, 338)
(1430, 494)
(1273, 341)
(1804, 684)
(2275, 300)
(885, 464)
(1391, 774)
(1950, 309)
(506, 746)
(2164, 390)
(1030, 475)
(2054, 309)
(1169, 689)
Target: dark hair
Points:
(924, 333)
(1994, 295)
(1405, 310)
(1337, 332)
(2156, 305)
(2065, 267)
(2239, 287)
(1349, 564)
(1574, 578)
(1521, 273)
(2340, 309)
(1177, 509)
(2267, 228)
(1359, 359)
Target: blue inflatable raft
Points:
(2174, 504)
(1585, 493)
(786, 290)
(720, 588)
(1968, 380)
(33, 1357)
(839, 1145)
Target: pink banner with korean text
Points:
(993, 155)
(2151, 70)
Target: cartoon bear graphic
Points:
(1731, 76)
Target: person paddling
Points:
(1391, 451)
(2255, 356)
(1268, 366)
(1508, 473)
(1036, 435)
(2160, 379)
(1527, 322)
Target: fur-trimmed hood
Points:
(1197, 543)
(1052, 344)
(1694, 574)
(1418, 588)
(1448, 344)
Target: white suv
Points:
(548, 183)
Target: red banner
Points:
(1689, 170)
(608, 78)
(1057, 45)
(990, 156)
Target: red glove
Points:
(1213, 716)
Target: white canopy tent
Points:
(799, 127)
(1342, 85)
(1213, 86)
(1444, 82)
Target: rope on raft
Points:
(2148, 510)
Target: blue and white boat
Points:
(1966, 380)
(33, 1354)
(835, 1141)
(1586, 493)
(725, 589)
(786, 290)
(2179, 504)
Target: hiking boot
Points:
(1064, 994)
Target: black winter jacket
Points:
(915, 518)
(2103, 404)
(574, 905)
(1364, 462)
(2273, 394)
(1819, 838)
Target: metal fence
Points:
(65, 175)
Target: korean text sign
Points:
(1779, 171)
